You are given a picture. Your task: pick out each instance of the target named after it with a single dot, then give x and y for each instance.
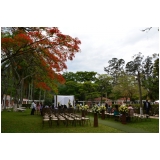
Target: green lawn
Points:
(23, 122)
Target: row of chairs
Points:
(66, 119)
(58, 111)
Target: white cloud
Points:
(101, 44)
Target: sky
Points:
(101, 44)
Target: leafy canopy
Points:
(46, 49)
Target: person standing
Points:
(38, 108)
(109, 109)
(147, 106)
(130, 112)
(41, 107)
(33, 105)
(116, 113)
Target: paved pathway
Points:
(123, 127)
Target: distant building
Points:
(7, 101)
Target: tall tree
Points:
(70, 76)
(135, 68)
(150, 79)
(155, 89)
(104, 83)
(127, 87)
(80, 76)
(46, 49)
(116, 66)
(90, 90)
(86, 76)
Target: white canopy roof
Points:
(64, 99)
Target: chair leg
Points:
(46, 121)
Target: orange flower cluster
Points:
(45, 51)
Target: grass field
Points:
(23, 122)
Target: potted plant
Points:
(102, 110)
(95, 110)
(123, 109)
(83, 109)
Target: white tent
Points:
(63, 99)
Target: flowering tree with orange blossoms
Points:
(38, 53)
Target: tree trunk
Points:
(40, 95)
(101, 98)
(140, 93)
(3, 92)
(15, 101)
(45, 95)
(95, 124)
(4, 102)
(10, 99)
(28, 91)
(31, 90)
(21, 92)
(17, 95)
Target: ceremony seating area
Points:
(73, 117)
(65, 117)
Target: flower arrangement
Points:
(102, 108)
(95, 109)
(84, 108)
(77, 105)
(69, 103)
(123, 109)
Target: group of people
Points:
(115, 111)
(60, 106)
(36, 108)
(146, 108)
(130, 110)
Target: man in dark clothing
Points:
(106, 105)
(147, 106)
